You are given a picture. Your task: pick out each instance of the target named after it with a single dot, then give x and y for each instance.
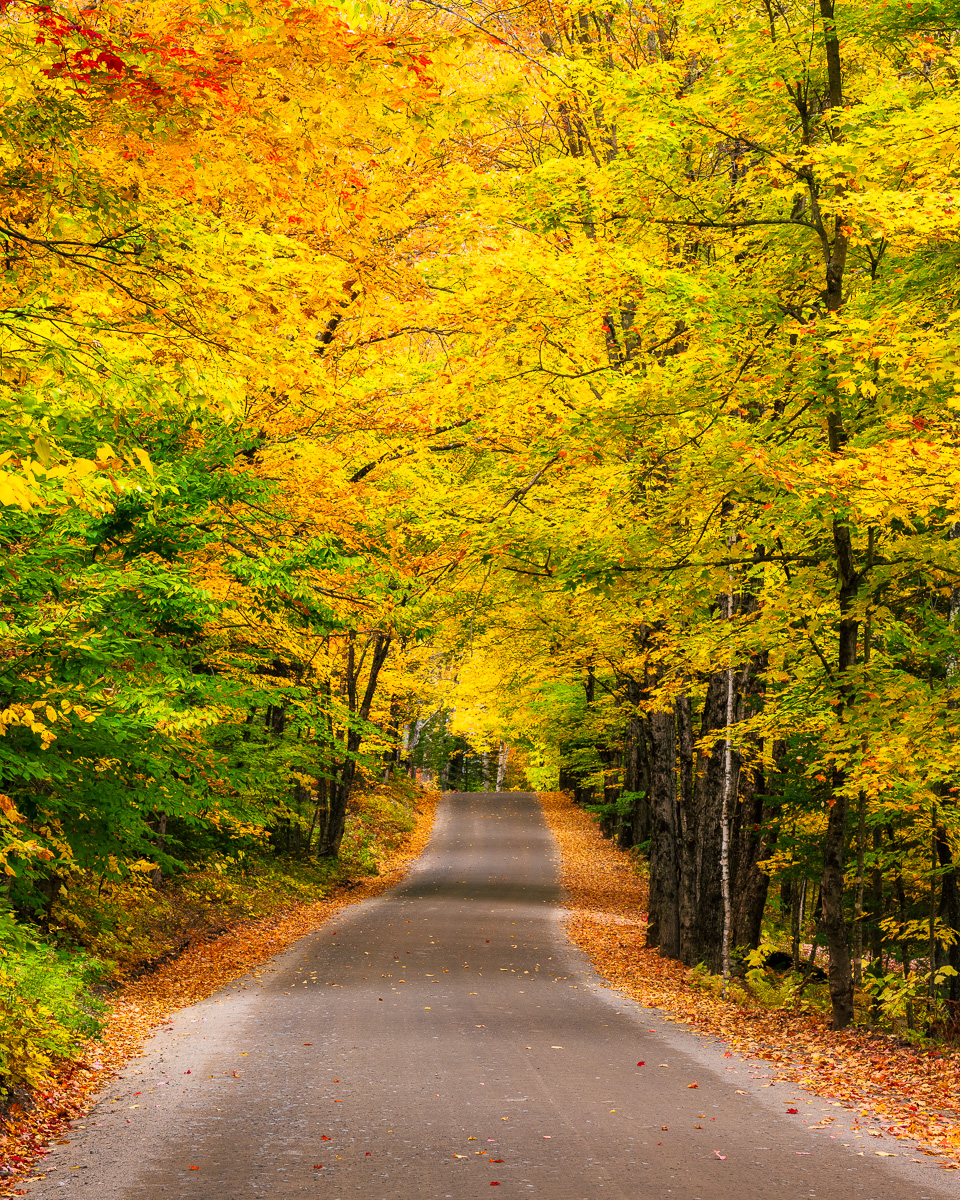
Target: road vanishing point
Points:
(446, 1038)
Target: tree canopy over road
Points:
(567, 389)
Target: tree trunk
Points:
(664, 882)
(688, 835)
(359, 711)
(156, 877)
(708, 802)
(949, 914)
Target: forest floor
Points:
(914, 1091)
(204, 966)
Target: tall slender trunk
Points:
(687, 904)
(358, 708)
(725, 829)
(708, 797)
(949, 913)
(156, 876)
(796, 920)
(663, 841)
(836, 244)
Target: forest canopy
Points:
(384, 386)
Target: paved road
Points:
(446, 1038)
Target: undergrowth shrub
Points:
(47, 1006)
(101, 930)
(377, 825)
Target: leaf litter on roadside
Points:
(144, 1004)
(914, 1092)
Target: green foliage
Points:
(47, 1005)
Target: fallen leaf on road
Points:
(642, 1063)
(690, 1085)
(719, 1155)
(792, 1110)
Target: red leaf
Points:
(641, 1063)
(318, 1166)
(690, 1085)
(193, 1168)
(793, 1110)
(496, 1160)
(324, 1138)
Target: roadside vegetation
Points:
(896, 1084)
(58, 978)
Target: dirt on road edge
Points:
(202, 969)
(914, 1092)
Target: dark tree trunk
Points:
(156, 876)
(949, 913)
(359, 710)
(635, 829)
(707, 942)
(664, 882)
(831, 887)
(567, 781)
(765, 832)
(834, 919)
(633, 826)
(755, 840)
(687, 809)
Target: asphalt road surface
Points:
(445, 1038)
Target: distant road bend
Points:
(446, 1038)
